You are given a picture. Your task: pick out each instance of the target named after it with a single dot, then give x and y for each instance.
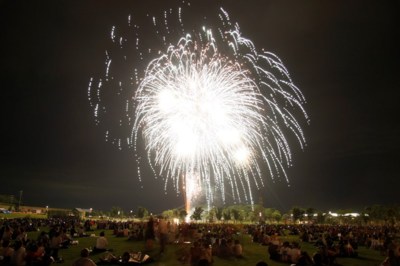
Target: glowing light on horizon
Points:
(210, 108)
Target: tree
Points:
(286, 218)
(95, 213)
(210, 215)
(310, 213)
(116, 211)
(391, 215)
(242, 214)
(259, 212)
(268, 214)
(176, 213)
(169, 214)
(383, 214)
(142, 212)
(276, 215)
(321, 218)
(235, 214)
(364, 217)
(252, 216)
(182, 214)
(297, 213)
(197, 213)
(226, 214)
(218, 213)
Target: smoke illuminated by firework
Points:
(212, 111)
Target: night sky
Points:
(343, 55)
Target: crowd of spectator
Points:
(331, 242)
(207, 241)
(18, 249)
(199, 243)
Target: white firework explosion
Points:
(213, 112)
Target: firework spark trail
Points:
(209, 107)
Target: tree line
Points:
(374, 214)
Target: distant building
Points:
(82, 213)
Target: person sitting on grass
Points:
(273, 252)
(206, 253)
(101, 243)
(215, 247)
(82, 232)
(55, 243)
(284, 251)
(238, 249)
(33, 254)
(195, 253)
(224, 250)
(294, 252)
(203, 262)
(391, 259)
(346, 249)
(304, 260)
(318, 260)
(84, 260)
(66, 240)
(18, 257)
(7, 252)
(126, 256)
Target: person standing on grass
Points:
(149, 234)
(163, 231)
(55, 243)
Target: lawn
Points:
(252, 252)
(17, 215)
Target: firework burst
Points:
(213, 112)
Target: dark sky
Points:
(343, 55)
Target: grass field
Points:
(16, 215)
(252, 252)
